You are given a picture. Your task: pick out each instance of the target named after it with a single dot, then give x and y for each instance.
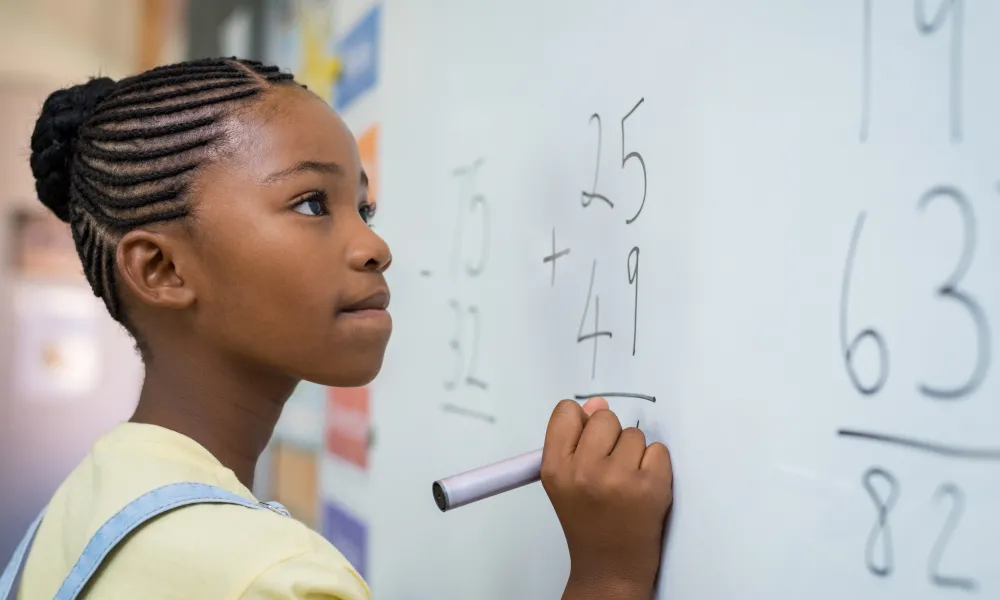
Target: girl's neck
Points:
(227, 406)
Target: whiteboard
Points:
(799, 265)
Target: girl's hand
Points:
(611, 493)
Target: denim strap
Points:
(118, 527)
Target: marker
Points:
(477, 484)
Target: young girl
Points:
(220, 211)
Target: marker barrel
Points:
(477, 484)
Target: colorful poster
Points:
(368, 149)
(359, 55)
(348, 425)
(295, 477)
(319, 69)
(348, 534)
(303, 42)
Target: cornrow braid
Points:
(109, 157)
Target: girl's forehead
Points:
(290, 126)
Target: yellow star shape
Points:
(320, 68)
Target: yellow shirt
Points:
(210, 551)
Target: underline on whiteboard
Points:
(616, 395)
(468, 412)
(941, 449)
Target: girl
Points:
(220, 211)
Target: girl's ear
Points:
(148, 265)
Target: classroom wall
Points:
(47, 425)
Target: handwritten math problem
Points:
(590, 330)
(882, 487)
(468, 260)
(767, 232)
(879, 482)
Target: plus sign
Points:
(551, 258)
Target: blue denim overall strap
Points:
(119, 526)
(10, 574)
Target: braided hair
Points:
(109, 157)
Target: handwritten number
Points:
(849, 349)
(456, 345)
(881, 534)
(476, 201)
(880, 531)
(950, 290)
(596, 333)
(951, 523)
(471, 378)
(633, 278)
(925, 27)
(474, 271)
(586, 198)
(866, 71)
(636, 155)
(472, 201)
(931, 27)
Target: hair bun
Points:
(53, 141)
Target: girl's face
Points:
(286, 271)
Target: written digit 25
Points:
(587, 198)
(468, 369)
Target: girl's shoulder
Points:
(200, 550)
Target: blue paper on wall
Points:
(348, 534)
(359, 56)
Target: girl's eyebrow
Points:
(306, 166)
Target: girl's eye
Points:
(367, 212)
(313, 206)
